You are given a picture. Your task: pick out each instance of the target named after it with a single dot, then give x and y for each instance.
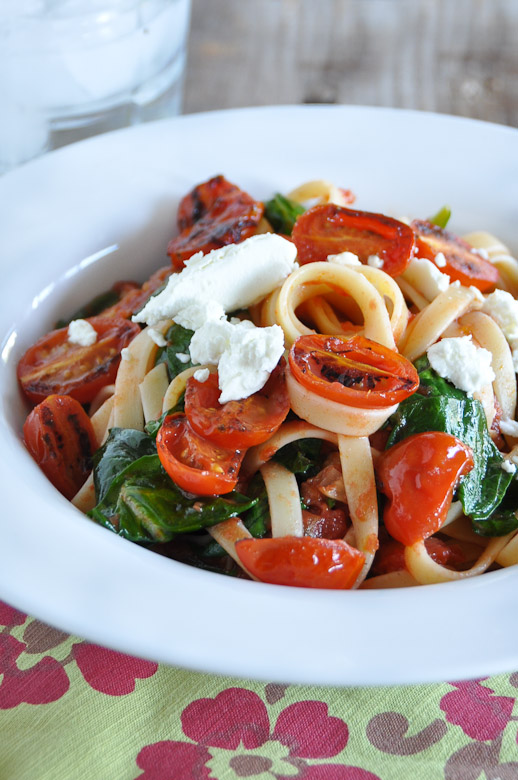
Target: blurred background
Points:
(449, 56)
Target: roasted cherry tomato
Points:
(215, 214)
(132, 299)
(391, 555)
(194, 463)
(419, 476)
(201, 199)
(238, 424)
(330, 229)
(462, 263)
(54, 365)
(355, 371)
(60, 437)
(304, 562)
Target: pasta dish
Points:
(307, 395)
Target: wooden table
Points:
(450, 56)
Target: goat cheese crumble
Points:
(82, 333)
(457, 359)
(229, 278)
(245, 355)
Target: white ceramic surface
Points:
(77, 220)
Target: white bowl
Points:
(75, 221)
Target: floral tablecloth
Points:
(71, 709)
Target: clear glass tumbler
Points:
(73, 68)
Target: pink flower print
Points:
(338, 772)
(9, 616)
(474, 708)
(307, 729)
(173, 761)
(43, 683)
(235, 732)
(235, 716)
(108, 671)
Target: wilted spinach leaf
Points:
(301, 457)
(123, 446)
(143, 504)
(282, 213)
(450, 410)
(178, 340)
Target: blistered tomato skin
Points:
(462, 264)
(304, 562)
(356, 371)
(53, 365)
(212, 215)
(242, 423)
(419, 476)
(59, 435)
(331, 229)
(193, 462)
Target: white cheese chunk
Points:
(202, 374)
(228, 278)
(126, 354)
(509, 466)
(503, 308)
(440, 260)
(245, 355)
(426, 277)
(82, 333)
(156, 337)
(375, 262)
(183, 357)
(344, 258)
(457, 359)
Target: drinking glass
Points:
(73, 68)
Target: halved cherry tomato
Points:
(355, 371)
(238, 424)
(133, 299)
(215, 214)
(194, 463)
(391, 555)
(304, 562)
(200, 200)
(330, 229)
(419, 476)
(462, 263)
(60, 437)
(54, 365)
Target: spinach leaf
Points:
(301, 457)
(143, 504)
(282, 213)
(505, 518)
(122, 447)
(153, 426)
(178, 340)
(483, 488)
(257, 518)
(442, 217)
(96, 306)
(433, 384)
